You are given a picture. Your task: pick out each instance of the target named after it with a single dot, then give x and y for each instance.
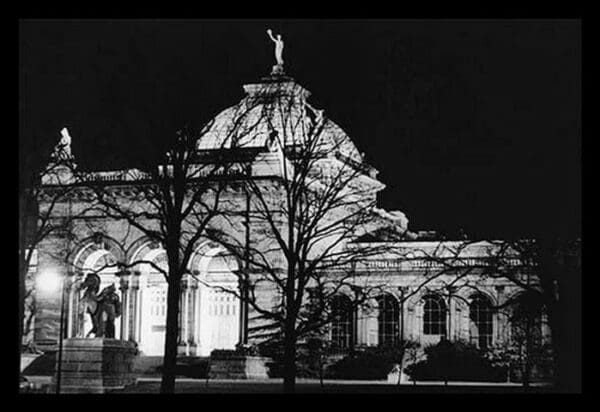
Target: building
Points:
(420, 298)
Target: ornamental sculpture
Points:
(103, 308)
(62, 151)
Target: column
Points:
(361, 327)
(459, 311)
(135, 298)
(70, 306)
(500, 322)
(451, 326)
(200, 322)
(198, 315)
(404, 291)
(186, 314)
(124, 287)
(183, 317)
(464, 321)
(193, 337)
(243, 313)
(412, 323)
(416, 317)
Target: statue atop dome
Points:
(278, 68)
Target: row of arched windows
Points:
(435, 320)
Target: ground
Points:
(201, 386)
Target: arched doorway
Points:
(153, 303)
(219, 306)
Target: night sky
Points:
(472, 124)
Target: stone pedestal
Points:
(96, 365)
(238, 367)
(277, 70)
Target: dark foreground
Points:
(191, 386)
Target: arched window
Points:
(434, 316)
(481, 314)
(342, 328)
(388, 320)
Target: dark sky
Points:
(472, 124)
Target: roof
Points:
(274, 104)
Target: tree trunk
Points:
(289, 362)
(564, 314)
(171, 336)
(321, 367)
(566, 336)
(321, 375)
(23, 268)
(528, 350)
(21, 308)
(560, 274)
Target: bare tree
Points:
(540, 269)
(300, 222)
(550, 276)
(173, 201)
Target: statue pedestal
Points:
(238, 367)
(277, 70)
(96, 365)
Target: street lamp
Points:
(48, 282)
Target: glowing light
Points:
(48, 281)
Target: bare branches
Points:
(304, 214)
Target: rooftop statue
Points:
(63, 149)
(278, 47)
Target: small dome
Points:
(272, 106)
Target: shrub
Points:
(272, 348)
(310, 357)
(312, 360)
(224, 354)
(368, 363)
(456, 361)
(197, 369)
(512, 357)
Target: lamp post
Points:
(61, 334)
(47, 282)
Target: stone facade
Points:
(211, 318)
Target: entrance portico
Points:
(209, 312)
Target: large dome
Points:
(273, 105)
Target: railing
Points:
(433, 263)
